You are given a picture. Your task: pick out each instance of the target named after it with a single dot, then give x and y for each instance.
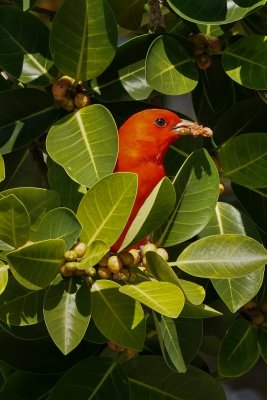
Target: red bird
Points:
(143, 142)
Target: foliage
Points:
(70, 75)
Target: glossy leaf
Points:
(91, 43)
(199, 311)
(163, 297)
(67, 312)
(245, 61)
(125, 78)
(155, 210)
(118, 317)
(93, 378)
(85, 143)
(196, 186)
(22, 57)
(36, 265)
(59, 223)
(20, 306)
(244, 160)
(262, 343)
(168, 71)
(105, 208)
(94, 252)
(150, 377)
(24, 115)
(239, 349)
(3, 276)
(14, 222)
(2, 169)
(190, 334)
(128, 15)
(208, 258)
(217, 12)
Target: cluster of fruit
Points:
(256, 313)
(203, 47)
(115, 266)
(70, 95)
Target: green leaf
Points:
(190, 335)
(94, 252)
(59, 223)
(59, 180)
(168, 71)
(208, 257)
(14, 222)
(85, 143)
(119, 318)
(238, 291)
(2, 169)
(160, 269)
(67, 312)
(245, 61)
(24, 115)
(199, 311)
(262, 343)
(239, 350)
(125, 78)
(105, 208)
(83, 50)
(36, 200)
(197, 186)
(244, 160)
(22, 57)
(3, 277)
(36, 265)
(155, 210)
(151, 378)
(20, 306)
(129, 14)
(93, 378)
(163, 297)
(215, 12)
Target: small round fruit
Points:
(136, 255)
(81, 100)
(221, 188)
(250, 305)
(79, 272)
(80, 249)
(71, 265)
(65, 271)
(204, 61)
(70, 255)
(132, 277)
(163, 253)
(68, 104)
(214, 44)
(122, 275)
(104, 272)
(115, 264)
(148, 247)
(91, 271)
(257, 319)
(61, 86)
(126, 257)
(199, 39)
(104, 260)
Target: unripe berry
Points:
(71, 265)
(81, 100)
(126, 257)
(148, 247)
(68, 104)
(122, 275)
(104, 260)
(257, 319)
(80, 249)
(65, 271)
(79, 272)
(163, 253)
(199, 39)
(114, 264)
(221, 188)
(203, 61)
(70, 255)
(104, 272)
(61, 86)
(91, 271)
(133, 277)
(214, 44)
(136, 255)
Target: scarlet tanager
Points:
(143, 142)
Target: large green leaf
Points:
(128, 14)
(20, 306)
(163, 297)
(215, 12)
(93, 378)
(197, 186)
(244, 160)
(14, 222)
(223, 256)
(245, 61)
(59, 223)
(3, 276)
(105, 208)
(36, 265)
(118, 317)
(83, 38)
(36, 200)
(94, 252)
(21, 56)
(24, 115)
(239, 350)
(67, 312)
(85, 143)
(151, 378)
(199, 311)
(155, 210)
(169, 67)
(125, 78)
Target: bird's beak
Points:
(186, 127)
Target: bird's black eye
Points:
(161, 122)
